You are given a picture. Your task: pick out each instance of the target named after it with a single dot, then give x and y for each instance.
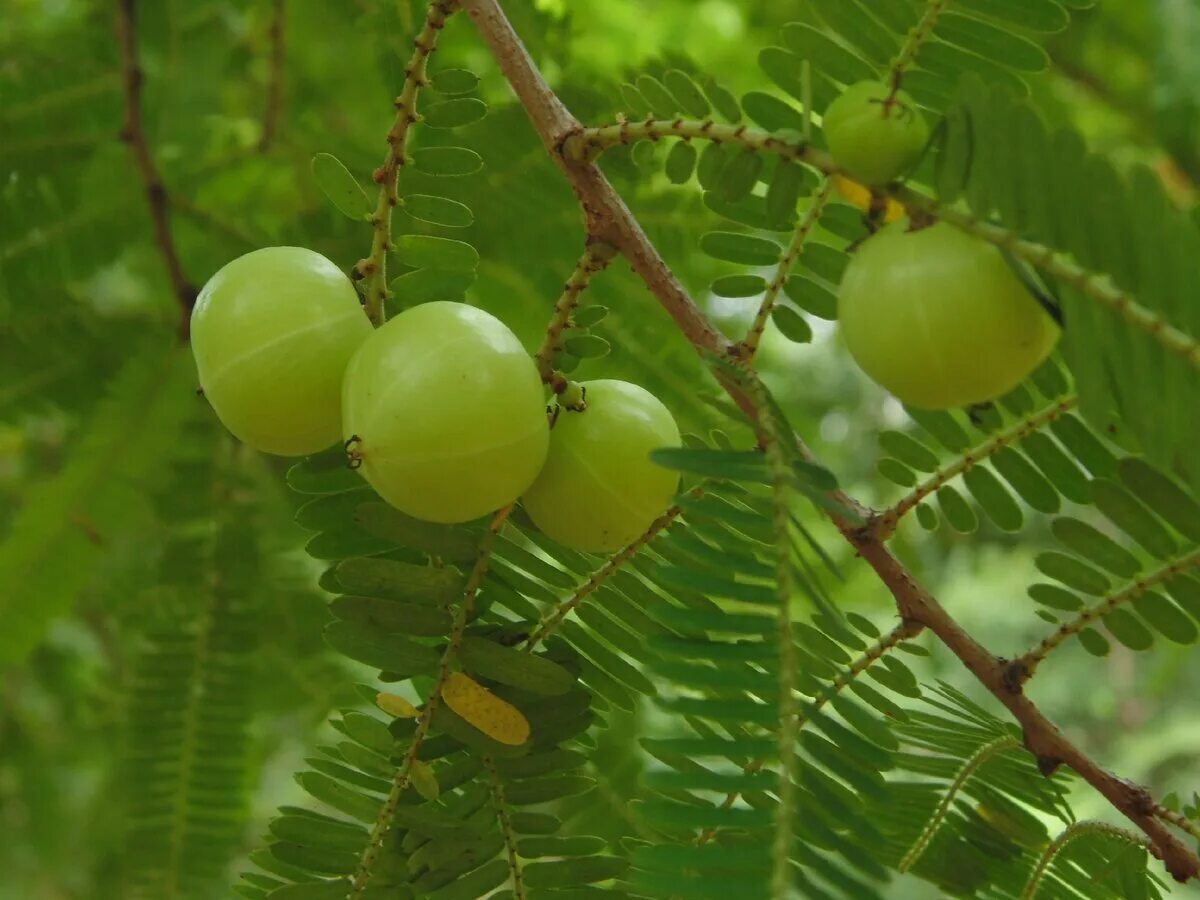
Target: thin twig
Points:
(400, 782)
(551, 622)
(1024, 666)
(500, 805)
(373, 270)
(1180, 821)
(133, 133)
(902, 632)
(916, 38)
(781, 479)
(595, 259)
(809, 221)
(274, 103)
(886, 521)
(584, 144)
(1069, 834)
(968, 768)
(1097, 287)
(608, 217)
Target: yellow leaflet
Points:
(423, 778)
(396, 706)
(497, 719)
(857, 195)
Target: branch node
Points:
(1015, 674)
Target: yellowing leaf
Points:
(496, 718)
(396, 706)
(422, 777)
(857, 195)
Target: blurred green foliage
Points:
(86, 310)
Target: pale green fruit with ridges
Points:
(446, 411)
(272, 332)
(874, 141)
(599, 490)
(939, 318)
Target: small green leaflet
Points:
(511, 666)
(343, 191)
(426, 251)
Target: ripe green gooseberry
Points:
(272, 332)
(446, 412)
(874, 136)
(599, 491)
(939, 318)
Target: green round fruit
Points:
(874, 141)
(272, 332)
(599, 491)
(938, 318)
(446, 411)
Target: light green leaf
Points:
(342, 189)
(454, 113)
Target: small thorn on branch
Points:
(1048, 765)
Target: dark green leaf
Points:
(740, 248)
(791, 324)
(383, 651)
(680, 162)
(737, 286)
(392, 616)
(509, 665)
(1072, 572)
(446, 542)
(1095, 546)
(687, 92)
(400, 581)
(579, 871)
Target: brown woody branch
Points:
(274, 103)
(608, 218)
(133, 133)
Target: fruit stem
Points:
(750, 344)
(596, 257)
(372, 271)
(908, 53)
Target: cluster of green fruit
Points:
(936, 316)
(442, 409)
